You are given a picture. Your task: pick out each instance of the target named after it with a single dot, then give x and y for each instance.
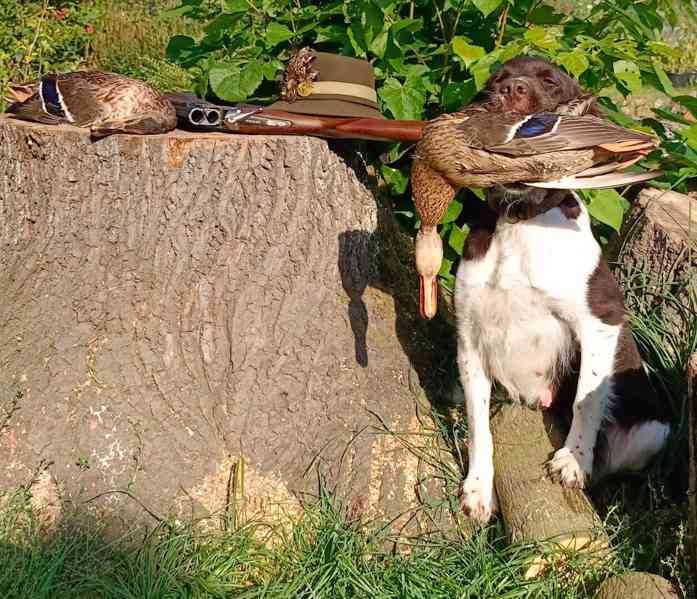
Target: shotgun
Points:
(197, 114)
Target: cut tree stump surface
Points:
(172, 304)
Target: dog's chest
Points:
(520, 297)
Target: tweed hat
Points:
(324, 84)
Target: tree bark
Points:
(178, 309)
(636, 585)
(692, 490)
(533, 507)
(656, 261)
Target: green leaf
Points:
(396, 179)
(456, 239)
(480, 72)
(574, 62)
(277, 33)
(455, 95)
(403, 101)
(271, 69)
(486, 7)
(543, 37)
(663, 78)
(221, 24)
(607, 206)
(451, 214)
(468, 52)
(236, 6)
(690, 135)
(235, 83)
(179, 48)
(688, 102)
(445, 267)
(628, 74)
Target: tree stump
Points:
(175, 307)
(534, 508)
(656, 260)
(692, 457)
(636, 585)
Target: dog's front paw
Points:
(572, 468)
(477, 499)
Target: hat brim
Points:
(328, 107)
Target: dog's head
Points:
(528, 85)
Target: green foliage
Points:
(124, 36)
(433, 56)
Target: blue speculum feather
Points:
(49, 93)
(537, 125)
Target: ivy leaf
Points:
(486, 7)
(235, 83)
(456, 239)
(468, 52)
(180, 48)
(456, 95)
(222, 23)
(480, 72)
(607, 206)
(451, 214)
(277, 33)
(628, 74)
(403, 101)
(543, 37)
(396, 179)
(574, 62)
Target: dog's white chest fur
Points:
(520, 298)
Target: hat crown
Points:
(334, 67)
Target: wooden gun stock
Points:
(332, 127)
(249, 119)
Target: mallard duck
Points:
(105, 102)
(482, 147)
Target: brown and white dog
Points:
(539, 311)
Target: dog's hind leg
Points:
(630, 448)
(477, 491)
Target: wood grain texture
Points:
(533, 507)
(173, 304)
(636, 585)
(692, 490)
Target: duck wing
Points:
(550, 132)
(597, 181)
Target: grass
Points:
(325, 555)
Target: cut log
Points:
(636, 585)
(692, 491)
(656, 260)
(173, 307)
(533, 507)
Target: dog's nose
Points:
(515, 88)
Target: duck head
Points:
(428, 250)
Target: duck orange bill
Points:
(428, 297)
